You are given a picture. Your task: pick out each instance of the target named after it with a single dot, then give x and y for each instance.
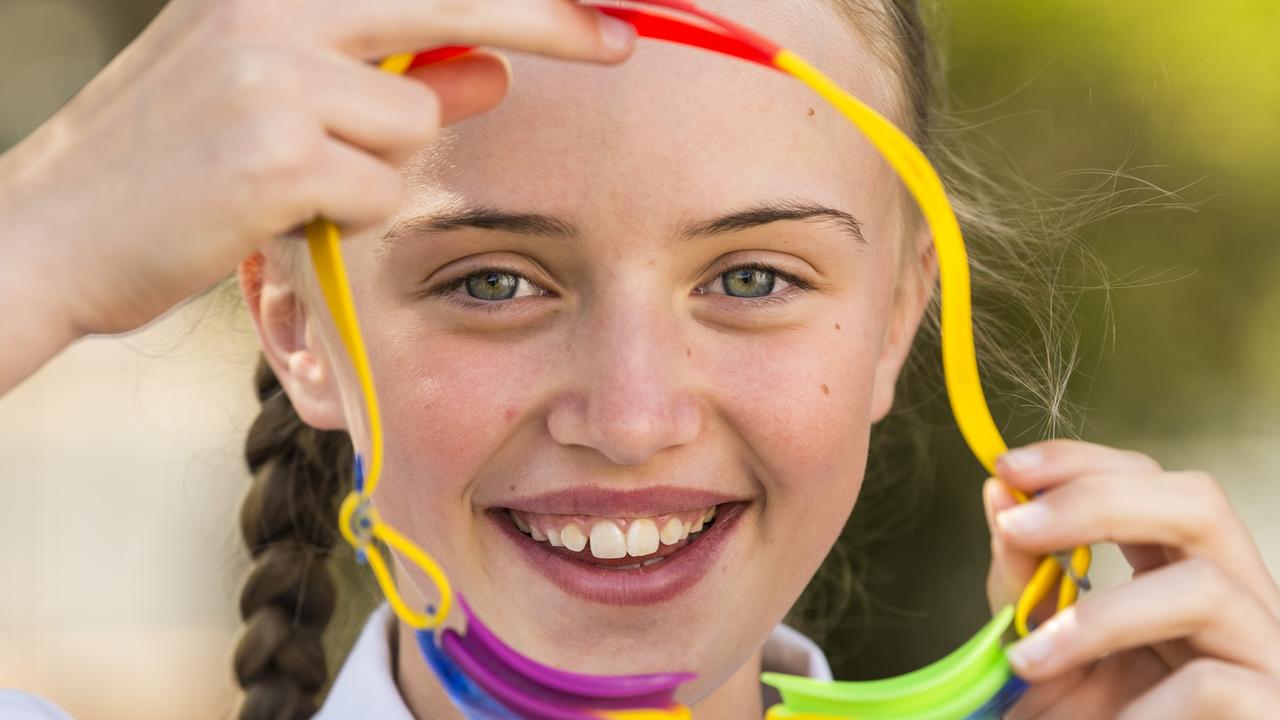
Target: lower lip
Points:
(645, 585)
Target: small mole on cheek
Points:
(837, 327)
(688, 352)
(511, 488)
(825, 390)
(810, 111)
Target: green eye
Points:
(748, 282)
(492, 285)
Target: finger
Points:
(1209, 688)
(558, 28)
(380, 112)
(1045, 464)
(393, 116)
(1097, 691)
(1184, 510)
(1191, 599)
(344, 185)
(1010, 569)
(1041, 697)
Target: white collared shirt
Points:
(365, 687)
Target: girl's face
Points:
(625, 299)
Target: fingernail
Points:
(1031, 650)
(1020, 459)
(617, 34)
(1025, 518)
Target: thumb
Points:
(1010, 569)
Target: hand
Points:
(228, 122)
(1194, 634)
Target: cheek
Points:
(452, 398)
(801, 401)
(802, 407)
(447, 404)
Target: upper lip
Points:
(610, 502)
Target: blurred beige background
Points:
(121, 458)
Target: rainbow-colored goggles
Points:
(487, 679)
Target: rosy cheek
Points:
(454, 403)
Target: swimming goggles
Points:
(487, 679)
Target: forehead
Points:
(673, 133)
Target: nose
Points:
(628, 391)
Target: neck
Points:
(737, 697)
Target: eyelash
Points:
(447, 289)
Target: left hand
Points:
(1194, 634)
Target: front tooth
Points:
(536, 533)
(573, 538)
(642, 537)
(607, 540)
(672, 532)
(520, 523)
(553, 536)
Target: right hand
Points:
(229, 122)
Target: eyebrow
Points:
(536, 224)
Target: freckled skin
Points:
(587, 377)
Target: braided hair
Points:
(288, 524)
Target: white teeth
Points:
(642, 537)
(672, 532)
(632, 566)
(652, 561)
(573, 538)
(607, 540)
(524, 527)
(607, 537)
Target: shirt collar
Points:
(365, 686)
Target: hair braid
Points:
(287, 520)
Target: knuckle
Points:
(277, 147)
(1208, 500)
(248, 71)
(1205, 682)
(1214, 589)
(1143, 461)
(257, 74)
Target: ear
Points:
(291, 342)
(918, 282)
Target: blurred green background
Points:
(1175, 102)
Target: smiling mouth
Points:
(615, 543)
